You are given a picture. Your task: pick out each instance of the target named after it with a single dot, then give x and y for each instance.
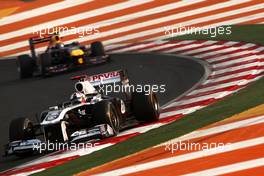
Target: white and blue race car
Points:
(88, 115)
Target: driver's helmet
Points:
(78, 97)
(55, 41)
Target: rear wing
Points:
(36, 40)
(118, 76)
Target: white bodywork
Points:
(85, 87)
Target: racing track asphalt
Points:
(28, 97)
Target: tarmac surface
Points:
(29, 97)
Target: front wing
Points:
(34, 146)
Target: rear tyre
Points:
(105, 112)
(21, 129)
(25, 66)
(97, 49)
(45, 61)
(145, 107)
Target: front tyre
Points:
(105, 112)
(21, 129)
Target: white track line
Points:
(235, 68)
(226, 56)
(216, 95)
(222, 51)
(229, 168)
(110, 47)
(134, 26)
(183, 111)
(204, 48)
(74, 18)
(184, 42)
(105, 22)
(236, 61)
(30, 172)
(155, 48)
(139, 46)
(244, 73)
(260, 48)
(184, 157)
(65, 154)
(218, 129)
(173, 17)
(158, 30)
(147, 32)
(211, 88)
(41, 11)
(180, 49)
(229, 22)
(230, 49)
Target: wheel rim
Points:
(18, 69)
(156, 105)
(114, 119)
(29, 130)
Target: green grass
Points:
(247, 33)
(241, 101)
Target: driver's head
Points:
(55, 39)
(79, 97)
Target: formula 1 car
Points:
(88, 115)
(58, 57)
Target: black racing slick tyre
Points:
(145, 106)
(97, 49)
(21, 129)
(45, 61)
(25, 66)
(105, 112)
